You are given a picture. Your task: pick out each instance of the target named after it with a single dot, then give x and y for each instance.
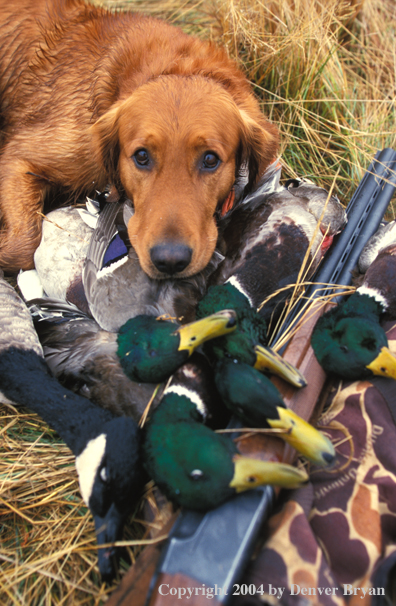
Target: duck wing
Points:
(68, 336)
(116, 287)
(104, 232)
(83, 357)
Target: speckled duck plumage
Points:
(267, 237)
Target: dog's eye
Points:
(141, 157)
(210, 161)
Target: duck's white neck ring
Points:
(233, 280)
(180, 390)
(374, 294)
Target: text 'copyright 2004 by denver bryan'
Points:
(185, 593)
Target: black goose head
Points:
(111, 480)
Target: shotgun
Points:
(206, 553)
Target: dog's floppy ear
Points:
(106, 142)
(259, 146)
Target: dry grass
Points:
(47, 544)
(327, 77)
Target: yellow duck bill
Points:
(268, 360)
(194, 334)
(250, 473)
(384, 364)
(307, 440)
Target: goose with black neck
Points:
(107, 448)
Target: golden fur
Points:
(83, 89)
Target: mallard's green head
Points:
(150, 350)
(240, 347)
(353, 346)
(227, 296)
(223, 296)
(360, 305)
(256, 401)
(247, 393)
(179, 404)
(247, 343)
(199, 469)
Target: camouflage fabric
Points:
(334, 541)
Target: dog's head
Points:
(176, 145)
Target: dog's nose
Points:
(170, 258)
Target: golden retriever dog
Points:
(91, 97)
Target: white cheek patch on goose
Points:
(191, 395)
(87, 464)
(235, 282)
